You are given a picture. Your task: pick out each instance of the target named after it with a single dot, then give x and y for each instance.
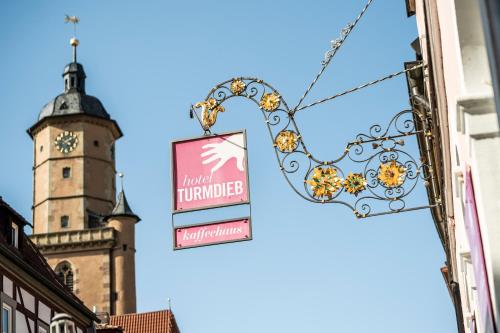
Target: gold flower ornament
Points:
(270, 102)
(324, 182)
(355, 183)
(237, 86)
(392, 174)
(287, 141)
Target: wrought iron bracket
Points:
(375, 174)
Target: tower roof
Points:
(74, 100)
(122, 208)
(73, 103)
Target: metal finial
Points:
(121, 175)
(73, 41)
(169, 304)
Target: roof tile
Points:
(149, 322)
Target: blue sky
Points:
(309, 267)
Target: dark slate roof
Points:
(74, 67)
(19, 217)
(74, 100)
(122, 208)
(28, 257)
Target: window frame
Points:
(66, 172)
(15, 234)
(65, 274)
(10, 311)
(10, 302)
(66, 218)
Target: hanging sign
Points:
(212, 233)
(209, 171)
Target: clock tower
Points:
(86, 234)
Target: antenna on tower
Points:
(121, 175)
(73, 41)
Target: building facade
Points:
(458, 89)
(86, 234)
(31, 293)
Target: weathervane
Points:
(375, 173)
(73, 41)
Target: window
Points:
(15, 234)
(41, 330)
(93, 220)
(41, 149)
(64, 221)
(72, 82)
(65, 274)
(6, 319)
(96, 143)
(66, 172)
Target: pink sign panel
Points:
(212, 233)
(209, 171)
(473, 230)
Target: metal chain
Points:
(335, 46)
(371, 83)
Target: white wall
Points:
(474, 141)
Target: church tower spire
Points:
(74, 191)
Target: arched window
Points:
(65, 274)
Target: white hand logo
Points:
(224, 151)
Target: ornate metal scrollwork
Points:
(373, 176)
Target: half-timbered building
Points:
(31, 292)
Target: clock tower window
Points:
(66, 172)
(64, 221)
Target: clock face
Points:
(66, 142)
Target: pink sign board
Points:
(209, 171)
(212, 233)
